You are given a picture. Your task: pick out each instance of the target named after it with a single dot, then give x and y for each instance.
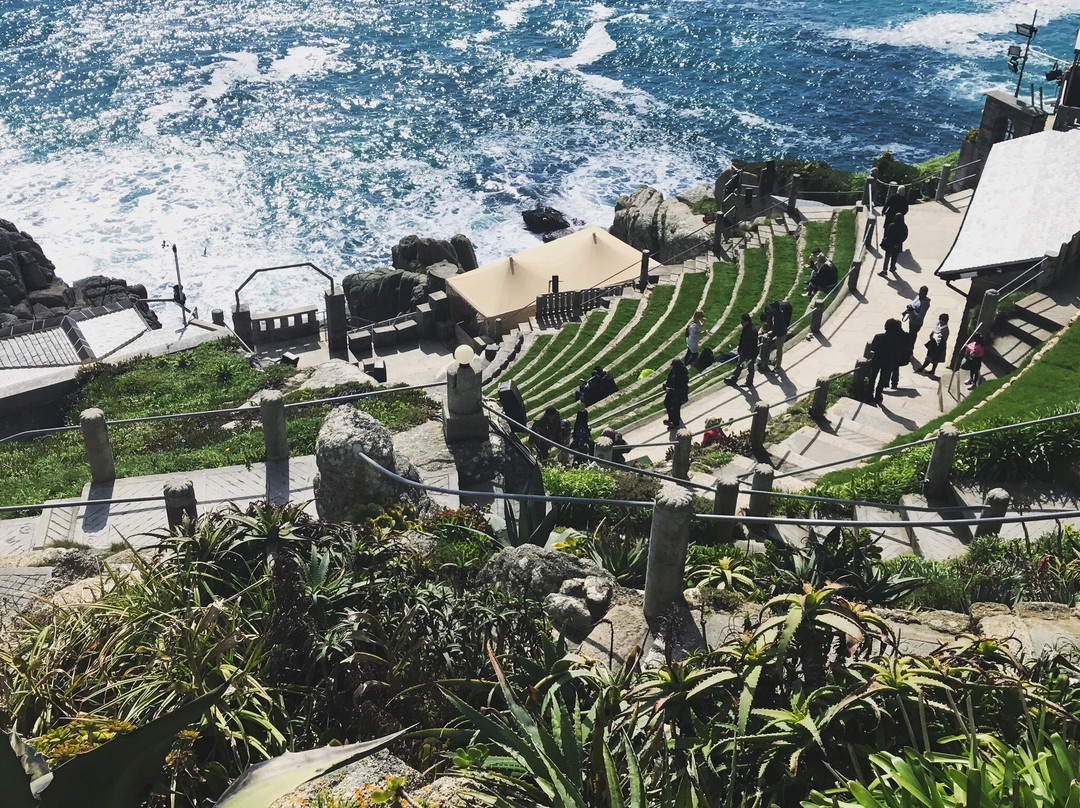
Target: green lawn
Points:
(522, 362)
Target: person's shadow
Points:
(907, 261)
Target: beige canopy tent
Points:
(508, 288)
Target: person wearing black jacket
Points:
(886, 349)
(896, 203)
(676, 392)
(892, 243)
(747, 352)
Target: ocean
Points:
(253, 134)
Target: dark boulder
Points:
(98, 290)
(35, 275)
(543, 219)
(57, 295)
(414, 254)
(466, 255)
(382, 293)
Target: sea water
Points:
(265, 132)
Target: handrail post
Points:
(794, 186)
(668, 538)
(997, 503)
(180, 502)
(860, 381)
(725, 501)
(936, 483)
(99, 454)
(605, 448)
(275, 432)
(943, 183)
(759, 425)
(643, 276)
(988, 311)
(821, 398)
(680, 461)
(817, 313)
(762, 486)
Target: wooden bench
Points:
(272, 326)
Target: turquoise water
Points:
(261, 133)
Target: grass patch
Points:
(523, 361)
(585, 336)
(749, 296)
(934, 164)
(566, 334)
(210, 376)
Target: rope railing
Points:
(230, 411)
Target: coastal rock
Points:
(536, 572)
(57, 295)
(542, 219)
(382, 293)
(336, 373)
(344, 479)
(1038, 628)
(666, 227)
(465, 252)
(414, 254)
(99, 290)
(696, 194)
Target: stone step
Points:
(971, 499)
(1027, 333)
(937, 542)
(893, 541)
(816, 447)
(855, 415)
(1042, 311)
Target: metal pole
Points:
(1027, 47)
(179, 286)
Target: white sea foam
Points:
(514, 12)
(236, 67)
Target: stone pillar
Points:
(180, 501)
(860, 381)
(337, 325)
(758, 425)
(997, 502)
(241, 325)
(853, 276)
(821, 398)
(497, 335)
(217, 317)
(463, 413)
(643, 278)
(868, 188)
(762, 487)
(943, 183)
(665, 577)
(680, 461)
(275, 434)
(1049, 271)
(604, 448)
(817, 313)
(988, 311)
(793, 192)
(936, 483)
(725, 500)
(95, 433)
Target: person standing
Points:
(973, 359)
(747, 353)
(936, 345)
(676, 392)
(915, 313)
(896, 203)
(693, 338)
(884, 358)
(775, 321)
(892, 243)
(581, 439)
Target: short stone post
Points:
(217, 317)
(665, 577)
(943, 183)
(997, 502)
(180, 501)
(643, 277)
(337, 324)
(868, 187)
(765, 348)
(680, 460)
(95, 433)
(275, 433)
(988, 311)
(761, 489)
(817, 313)
(498, 334)
(759, 425)
(793, 193)
(605, 448)
(1051, 269)
(860, 381)
(463, 412)
(241, 325)
(936, 483)
(725, 500)
(853, 276)
(821, 398)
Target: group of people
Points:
(552, 431)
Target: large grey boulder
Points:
(382, 293)
(666, 227)
(698, 193)
(570, 615)
(344, 480)
(336, 373)
(465, 252)
(537, 571)
(925, 631)
(415, 254)
(1037, 627)
(354, 782)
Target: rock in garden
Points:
(336, 373)
(345, 480)
(569, 615)
(537, 571)
(543, 219)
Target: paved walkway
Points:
(933, 227)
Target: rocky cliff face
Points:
(31, 290)
(665, 227)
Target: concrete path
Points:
(933, 227)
